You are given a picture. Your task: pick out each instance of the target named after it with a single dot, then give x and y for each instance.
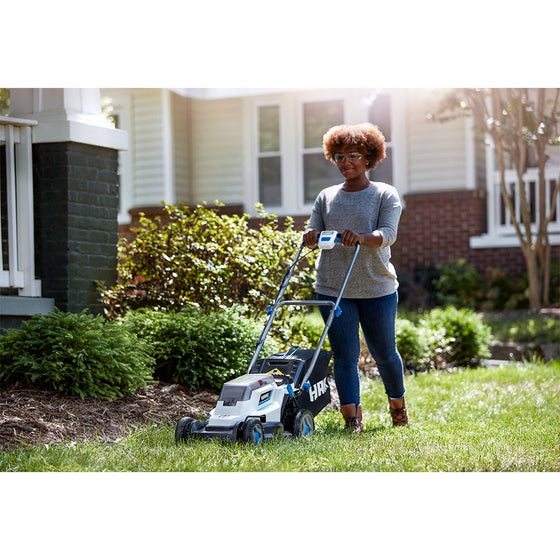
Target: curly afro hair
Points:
(365, 136)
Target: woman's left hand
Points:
(350, 238)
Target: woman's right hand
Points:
(310, 238)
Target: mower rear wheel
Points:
(253, 431)
(304, 425)
(185, 427)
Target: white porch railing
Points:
(17, 241)
(499, 217)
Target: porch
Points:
(20, 289)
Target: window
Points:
(380, 115)
(288, 167)
(269, 159)
(318, 172)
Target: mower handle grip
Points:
(328, 239)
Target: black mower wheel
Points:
(304, 425)
(185, 428)
(253, 431)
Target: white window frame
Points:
(280, 153)
(292, 142)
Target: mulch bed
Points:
(33, 416)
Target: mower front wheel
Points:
(185, 428)
(253, 431)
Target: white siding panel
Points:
(180, 123)
(436, 151)
(217, 151)
(148, 142)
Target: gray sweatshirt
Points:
(376, 208)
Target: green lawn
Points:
(498, 419)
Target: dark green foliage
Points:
(422, 347)
(530, 328)
(412, 346)
(457, 283)
(76, 354)
(201, 257)
(301, 328)
(503, 291)
(469, 335)
(196, 349)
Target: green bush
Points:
(469, 335)
(503, 291)
(457, 283)
(197, 349)
(422, 347)
(411, 344)
(303, 328)
(537, 329)
(76, 354)
(208, 259)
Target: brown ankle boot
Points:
(397, 408)
(353, 417)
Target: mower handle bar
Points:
(314, 303)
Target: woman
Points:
(368, 213)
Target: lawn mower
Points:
(280, 395)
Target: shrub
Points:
(411, 344)
(458, 284)
(529, 328)
(301, 328)
(503, 291)
(205, 258)
(422, 347)
(76, 354)
(196, 349)
(470, 337)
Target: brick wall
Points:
(436, 228)
(76, 202)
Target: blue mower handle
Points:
(326, 240)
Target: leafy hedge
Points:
(443, 338)
(457, 283)
(76, 354)
(203, 257)
(196, 349)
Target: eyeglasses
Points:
(352, 156)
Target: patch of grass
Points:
(502, 419)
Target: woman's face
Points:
(349, 164)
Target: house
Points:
(247, 146)
(237, 146)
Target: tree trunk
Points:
(535, 302)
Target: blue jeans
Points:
(377, 318)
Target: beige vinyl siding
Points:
(181, 145)
(148, 147)
(217, 150)
(436, 151)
